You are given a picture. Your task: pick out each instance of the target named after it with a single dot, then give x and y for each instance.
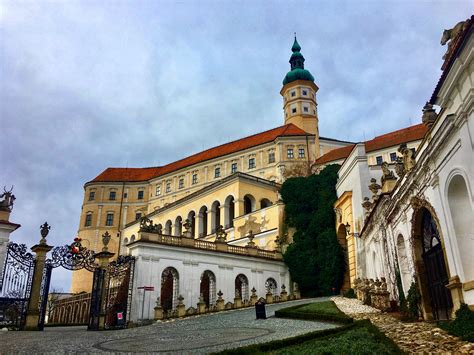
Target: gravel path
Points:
(199, 334)
(413, 338)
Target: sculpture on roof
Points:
(387, 174)
(451, 34)
(8, 198)
(408, 157)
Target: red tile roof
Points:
(391, 139)
(144, 174)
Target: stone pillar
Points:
(223, 211)
(296, 291)
(239, 207)
(455, 286)
(283, 294)
(253, 297)
(181, 307)
(220, 301)
(41, 249)
(201, 306)
(269, 297)
(237, 301)
(158, 310)
(6, 227)
(210, 219)
(103, 258)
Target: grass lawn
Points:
(325, 311)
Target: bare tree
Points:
(53, 299)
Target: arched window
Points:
(169, 289)
(229, 214)
(403, 263)
(271, 286)
(203, 219)
(216, 216)
(168, 227)
(208, 287)
(178, 226)
(242, 287)
(249, 204)
(192, 220)
(463, 223)
(264, 203)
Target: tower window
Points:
(233, 168)
(88, 220)
(305, 93)
(140, 194)
(301, 153)
(293, 93)
(293, 110)
(195, 179)
(181, 183)
(252, 163)
(109, 221)
(289, 153)
(271, 157)
(217, 173)
(393, 156)
(305, 109)
(91, 195)
(158, 190)
(379, 160)
(112, 195)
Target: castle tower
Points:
(299, 96)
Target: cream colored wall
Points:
(385, 153)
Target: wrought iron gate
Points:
(118, 291)
(436, 273)
(15, 285)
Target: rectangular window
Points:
(271, 157)
(252, 163)
(140, 194)
(393, 156)
(109, 221)
(88, 221)
(379, 160)
(158, 190)
(217, 172)
(293, 93)
(181, 183)
(91, 195)
(233, 168)
(301, 153)
(293, 110)
(138, 215)
(289, 153)
(112, 195)
(168, 187)
(195, 179)
(305, 109)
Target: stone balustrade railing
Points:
(373, 292)
(217, 246)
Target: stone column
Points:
(239, 207)
(41, 249)
(158, 310)
(210, 219)
(103, 258)
(199, 223)
(220, 301)
(6, 227)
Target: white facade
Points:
(190, 264)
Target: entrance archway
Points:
(169, 289)
(208, 287)
(431, 266)
(242, 287)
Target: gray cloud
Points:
(89, 85)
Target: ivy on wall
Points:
(315, 258)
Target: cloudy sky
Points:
(86, 85)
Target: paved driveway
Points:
(199, 334)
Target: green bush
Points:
(326, 311)
(350, 293)
(315, 258)
(414, 299)
(463, 325)
(402, 301)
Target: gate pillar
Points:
(41, 249)
(103, 258)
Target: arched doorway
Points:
(192, 220)
(432, 270)
(249, 204)
(178, 226)
(169, 289)
(208, 287)
(341, 238)
(229, 215)
(168, 226)
(242, 287)
(265, 202)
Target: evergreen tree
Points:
(315, 259)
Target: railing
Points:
(207, 245)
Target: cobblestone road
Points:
(200, 334)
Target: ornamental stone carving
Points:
(249, 225)
(387, 174)
(408, 157)
(450, 35)
(429, 115)
(6, 204)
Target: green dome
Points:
(297, 74)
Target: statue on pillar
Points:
(6, 204)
